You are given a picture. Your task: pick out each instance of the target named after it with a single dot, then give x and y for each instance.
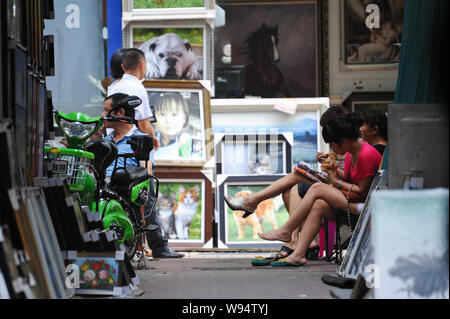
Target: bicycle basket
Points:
(74, 168)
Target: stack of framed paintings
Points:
(252, 151)
(246, 163)
(182, 124)
(41, 246)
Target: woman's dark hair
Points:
(116, 64)
(377, 117)
(333, 111)
(335, 128)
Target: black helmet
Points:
(116, 64)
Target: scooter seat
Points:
(122, 180)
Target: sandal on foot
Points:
(261, 261)
(283, 263)
(238, 204)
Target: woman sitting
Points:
(284, 186)
(325, 200)
(374, 129)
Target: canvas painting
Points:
(253, 158)
(97, 274)
(379, 44)
(179, 125)
(180, 209)
(276, 42)
(410, 240)
(270, 214)
(166, 4)
(175, 53)
(303, 125)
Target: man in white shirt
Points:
(135, 67)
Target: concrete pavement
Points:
(219, 275)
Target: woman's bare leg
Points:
(320, 209)
(276, 188)
(291, 196)
(298, 214)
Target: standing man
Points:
(135, 67)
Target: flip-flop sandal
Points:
(262, 261)
(238, 204)
(265, 261)
(283, 263)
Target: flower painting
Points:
(98, 273)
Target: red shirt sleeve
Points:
(369, 160)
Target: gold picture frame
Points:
(196, 98)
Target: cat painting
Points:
(262, 167)
(164, 209)
(185, 210)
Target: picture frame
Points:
(363, 101)
(305, 58)
(135, 9)
(195, 42)
(259, 116)
(195, 185)
(46, 239)
(173, 7)
(100, 273)
(189, 142)
(236, 232)
(8, 265)
(253, 154)
(30, 248)
(359, 247)
(409, 235)
(361, 49)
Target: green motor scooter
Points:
(119, 206)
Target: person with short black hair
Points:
(374, 129)
(120, 135)
(135, 67)
(121, 132)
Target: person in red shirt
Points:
(325, 200)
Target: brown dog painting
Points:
(264, 211)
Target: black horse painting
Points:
(262, 76)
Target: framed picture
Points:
(258, 116)
(253, 154)
(279, 43)
(363, 101)
(174, 50)
(183, 122)
(184, 207)
(236, 232)
(372, 33)
(99, 273)
(410, 238)
(180, 6)
(44, 229)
